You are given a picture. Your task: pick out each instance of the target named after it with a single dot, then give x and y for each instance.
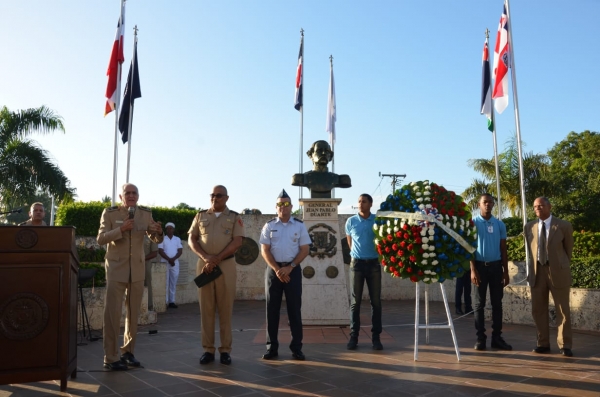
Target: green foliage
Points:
(84, 216)
(575, 172)
(586, 272)
(25, 166)
(514, 226)
(91, 254)
(184, 206)
(99, 279)
(182, 218)
(515, 248)
(586, 244)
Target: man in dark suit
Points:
(550, 244)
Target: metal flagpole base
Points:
(428, 326)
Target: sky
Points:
(218, 79)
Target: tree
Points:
(184, 206)
(575, 172)
(535, 168)
(25, 167)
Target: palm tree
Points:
(25, 167)
(535, 168)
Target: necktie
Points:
(543, 246)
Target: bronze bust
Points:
(320, 181)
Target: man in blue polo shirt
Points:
(364, 266)
(490, 268)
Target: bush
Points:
(586, 244)
(90, 254)
(86, 217)
(514, 226)
(99, 279)
(586, 272)
(515, 248)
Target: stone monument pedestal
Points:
(324, 291)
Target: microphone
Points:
(131, 211)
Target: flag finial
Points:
(487, 33)
(331, 60)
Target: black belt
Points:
(372, 261)
(284, 264)
(492, 263)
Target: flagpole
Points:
(517, 122)
(118, 98)
(493, 114)
(332, 124)
(130, 132)
(302, 110)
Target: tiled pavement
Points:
(170, 359)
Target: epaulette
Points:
(201, 211)
(110, 209)
(144, 208)
(301, 221)
(233, 212)
(274, 219)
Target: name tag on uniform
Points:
(118, 221)
(490, 228)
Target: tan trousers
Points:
(539, 309)
(113, 306)
(214, 297)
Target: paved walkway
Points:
(171, 368)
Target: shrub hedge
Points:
(86, 217)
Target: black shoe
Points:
(352, 343)
(566, 352)
(499, 343)
(270, 355)
(480, 344)
(459, 312)
(207, 358)
(225, 359)
(377, 344)
(542, 349)
(298, 355)
(469, 311)
(128, 359)
(116, 366)
(173, 306)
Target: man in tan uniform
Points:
(151, 252)
(123, 228)
(215, 235)
(36, 216)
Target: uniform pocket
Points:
(203, 226)
(227, 228)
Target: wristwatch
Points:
(293, 265)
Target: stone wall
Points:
(250, 286)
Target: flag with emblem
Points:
(132, 91)
(501, 64)
(298, 95)
(116, 59)
(486, 95)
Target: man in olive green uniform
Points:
(36, 216)
(215, 235)
(123, 228)
(151, 252)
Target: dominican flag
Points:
(331, 117)
(132, 91)
(116, 59)
(501, 64)
(298, 96)
(486, 87)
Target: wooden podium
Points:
(38, 304)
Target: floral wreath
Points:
(425, 233)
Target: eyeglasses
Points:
(218, 195)
(284, 204)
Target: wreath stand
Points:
(428, 326)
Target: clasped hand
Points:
(210, 262)
(283, 274)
